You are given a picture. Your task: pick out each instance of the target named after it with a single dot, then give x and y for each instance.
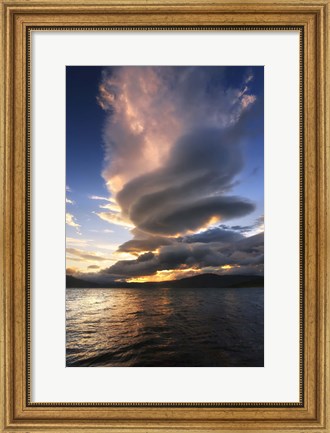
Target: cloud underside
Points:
(187, 194)
(242, 255)
(189, 191)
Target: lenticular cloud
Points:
(173, 147)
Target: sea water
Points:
(165, 327)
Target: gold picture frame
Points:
(18, 413)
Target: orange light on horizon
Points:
(227, 267)
(139, 279)
(213, 220)
(165, 275)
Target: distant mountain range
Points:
(198, 281)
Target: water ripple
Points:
(164, 327)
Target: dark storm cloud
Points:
(221, 234)
(247, 253)
(133, 268)
(246, 249)
(256, 241)
(188, 190)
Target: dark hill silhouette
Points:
(73, 282)
(197, 281)
(214, 280)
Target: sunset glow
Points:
(164, 172)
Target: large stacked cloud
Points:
(173, 151)
(187, 191)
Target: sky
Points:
(164, 171)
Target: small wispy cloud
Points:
(101, 231)
(247, 100)
(107, 247)
(115, 218)
(72, 222)
(98, 197)
(77, 241)
(111, 206)
(86, 255)
(249, 78)
(67, 200)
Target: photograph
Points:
(164, 216)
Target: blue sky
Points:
(84, 152)
(156, 156)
